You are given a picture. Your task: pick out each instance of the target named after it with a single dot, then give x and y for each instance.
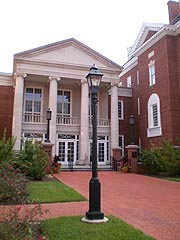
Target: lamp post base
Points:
(104, 220)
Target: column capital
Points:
(24, 75)
(115, 83)
(54, 78)
(84, 80)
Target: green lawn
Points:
(52, 191)
(174, 179)
(68, 228)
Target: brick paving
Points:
(149, 204)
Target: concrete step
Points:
(85, 168)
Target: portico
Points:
(53, 76)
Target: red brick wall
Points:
(167, 58)
(6, 109)
(173, 9)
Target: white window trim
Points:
(138, 103)
(42, 101)
(122, 110)
(154, 131)
(137, 76)
(129, 82)
(152, 81)
(68, 90)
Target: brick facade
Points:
(6, 109)
(165, 52)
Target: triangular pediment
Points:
(68, 51)
(147, 31)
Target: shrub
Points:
(164, 160)
(33, 160)
(12, 185)
(6, 148)
(150, 158)
(21, 224)
(170, 159)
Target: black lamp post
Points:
(48, 118)
(94, 79)
(131, 122)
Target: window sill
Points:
(154, 132)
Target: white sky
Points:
(107, 26)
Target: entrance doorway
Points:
(67, 148)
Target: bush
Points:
(12, 185)
(21, 224)
(150, 158)
(6, 148)
(170, 159)
(164, 160)
(33, 160)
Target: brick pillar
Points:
(116, 157)
(48, 149)
(132, 151)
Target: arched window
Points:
(154, 117)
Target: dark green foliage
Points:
(33, 160)
(6, 148)
(164, 160)
(12, 185)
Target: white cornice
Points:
(172, 30)
(6, 79)
(166, 30)
(129, 65)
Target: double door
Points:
(66, 151)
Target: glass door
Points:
(66, 151)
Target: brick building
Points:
(153, 74)
(54, 76)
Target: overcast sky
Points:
(107, 26)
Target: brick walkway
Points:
(149, 204)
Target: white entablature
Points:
(69, 58)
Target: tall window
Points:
(120, 110)
(121, 143)
(64, 103)
(129, 81)
(154, 117)
(152, 77)
(33, 101)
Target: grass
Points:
(52, 191)
(174, 179)
(67, 228)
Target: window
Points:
(33, 101)
(64, 103)
(121, 143)
(154, 118)
(155, 115)
(138, 103)
(152, 79)
(120, 110)
(129, 81)
(137, 76)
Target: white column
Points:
(114, 115)
(53, 108)
(18, 110)
(84, 127)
